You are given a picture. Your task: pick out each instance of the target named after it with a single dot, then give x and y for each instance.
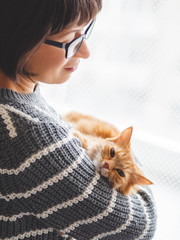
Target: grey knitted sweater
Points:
(48, 184)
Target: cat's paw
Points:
(105, 172)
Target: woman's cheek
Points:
(50, 57)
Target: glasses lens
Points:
(74, 47)
(76, 44)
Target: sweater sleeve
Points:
(49, 178)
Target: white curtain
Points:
(133, 78)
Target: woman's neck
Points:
(24, 86)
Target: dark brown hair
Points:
(25, 24)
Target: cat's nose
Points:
(106, 165)
(110, 164)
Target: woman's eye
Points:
(67, 39)
(120, 172)
(112, 152)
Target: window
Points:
(133, 78)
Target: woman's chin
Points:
(57, 80)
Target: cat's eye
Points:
(120, 172)
(112, 152)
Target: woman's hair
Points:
(25, 24)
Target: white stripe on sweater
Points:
(14, 217)
(142, 189)
(145, 231)
(30, 234)
(20, 113)
(7, 121)
(53, 209)
(49, 114)
(4, 108)
(46, 184)
(122, 228)
(56, 118)
(36, 156)
(100, 216)
(70, 202)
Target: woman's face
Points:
(49, 62)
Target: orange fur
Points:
(90, 125)
(99, 138)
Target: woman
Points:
(47, 183)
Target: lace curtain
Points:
(133, 78)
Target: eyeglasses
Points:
(72, 47)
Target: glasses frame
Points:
(66, 46)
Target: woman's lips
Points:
(72, 69)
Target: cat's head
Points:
(117, 158)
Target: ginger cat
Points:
(110, 151)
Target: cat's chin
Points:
(99, 165)
(105, 172)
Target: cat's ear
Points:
(125, 136)
(141, 180)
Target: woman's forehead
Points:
(73, 28)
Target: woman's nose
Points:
(83, 52)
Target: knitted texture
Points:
(48, 184)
